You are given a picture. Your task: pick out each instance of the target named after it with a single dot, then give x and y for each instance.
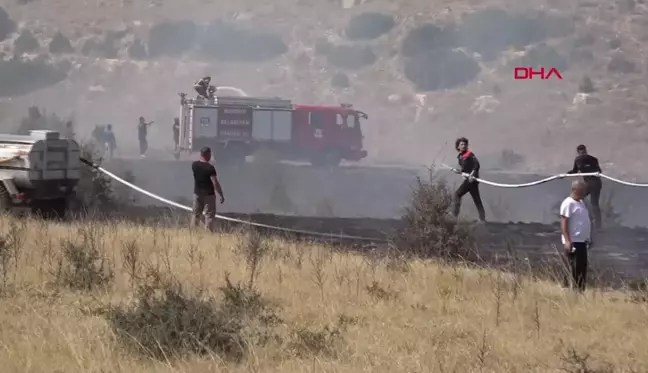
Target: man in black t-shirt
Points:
(585, 164)
(142, 133)
(206, 186)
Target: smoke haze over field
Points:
(423, 81)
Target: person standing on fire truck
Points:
(468, 164)
(142, 134)
(202, 86)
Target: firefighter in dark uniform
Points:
(583, 164)
(202, 86)
(468, 164)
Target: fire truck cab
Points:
(235, 127)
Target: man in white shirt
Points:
(576, 229)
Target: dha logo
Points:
(528, 73)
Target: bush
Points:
(19, 77)
(442, 69)
(428, 229)
(350, 56)
(7, 25)
(426, 39)
(60, 44)
(26, 42)
(369, 25)
(169, 322)
(340, 80)
(586, 85)
(325, 341)
(172, 38)
(82, 265)
(227, 42)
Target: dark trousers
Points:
(577, 261)
(473, 189)
(204, 204)
(143, 145)
(594, 193)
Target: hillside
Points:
(425, 72)
(124, 298)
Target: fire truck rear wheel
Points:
(328, 158)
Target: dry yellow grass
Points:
(442, 319)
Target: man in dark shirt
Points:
(142, 133)
(206, 186)
(176, 133)
(110, 142)
(469, 164)
(583, 164)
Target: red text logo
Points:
(528, 73)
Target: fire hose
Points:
(341, 236)
(545, 180)
(226, 218)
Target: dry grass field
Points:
(116, 297)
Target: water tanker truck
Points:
(39, 171)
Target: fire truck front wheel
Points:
(326, 158)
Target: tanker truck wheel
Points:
(50, 208)
(5, 200)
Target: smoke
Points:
(459, 83)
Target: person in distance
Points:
(584, 164)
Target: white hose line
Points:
(221, 217)
(546, 180)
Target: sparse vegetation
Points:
(157, 311)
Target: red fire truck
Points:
(235, 127)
